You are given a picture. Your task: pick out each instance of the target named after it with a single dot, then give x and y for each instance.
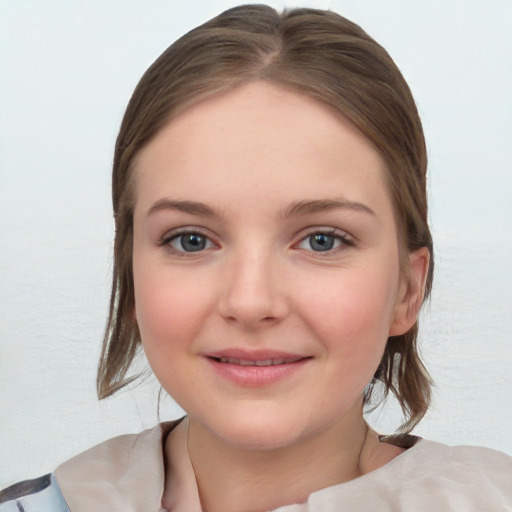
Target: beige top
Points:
(126, 474)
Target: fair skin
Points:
(267, 281)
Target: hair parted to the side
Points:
(324, 56)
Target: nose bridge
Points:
(252, 292)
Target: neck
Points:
(236, 479)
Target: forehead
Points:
(262, 138)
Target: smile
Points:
(266, 362)
(256, 368)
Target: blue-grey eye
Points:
(321, 242)
(190, 242)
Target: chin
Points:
(258, 432)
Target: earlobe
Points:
(412, 292)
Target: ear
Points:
(411, 293)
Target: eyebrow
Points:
(301, 208)
(296, 209)
(191, 207)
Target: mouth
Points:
(256, 368)
(252, 362)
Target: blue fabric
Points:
(39, 495)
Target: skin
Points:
(252, 157)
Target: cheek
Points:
(352, 313)
(168, 309)
(170, 314)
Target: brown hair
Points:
(325, 56)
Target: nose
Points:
(252, 293)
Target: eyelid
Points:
(346, 238)
(164, 241)
(171, 235)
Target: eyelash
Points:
(344, 239)
(178, 233)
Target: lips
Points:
(264, 362)
(255, 368)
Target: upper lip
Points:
(255, 355)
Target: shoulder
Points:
(124, 473)
(423, 456)
(427, 476)
(467, 459)
(475, 478)
(115, 454)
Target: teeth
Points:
(268, 362)
(246, 362)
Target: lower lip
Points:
(256, 376)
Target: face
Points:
(266, 264)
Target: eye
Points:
(188, 242)
(324, 241)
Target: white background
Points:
(67, 70)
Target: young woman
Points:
(272, 254)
